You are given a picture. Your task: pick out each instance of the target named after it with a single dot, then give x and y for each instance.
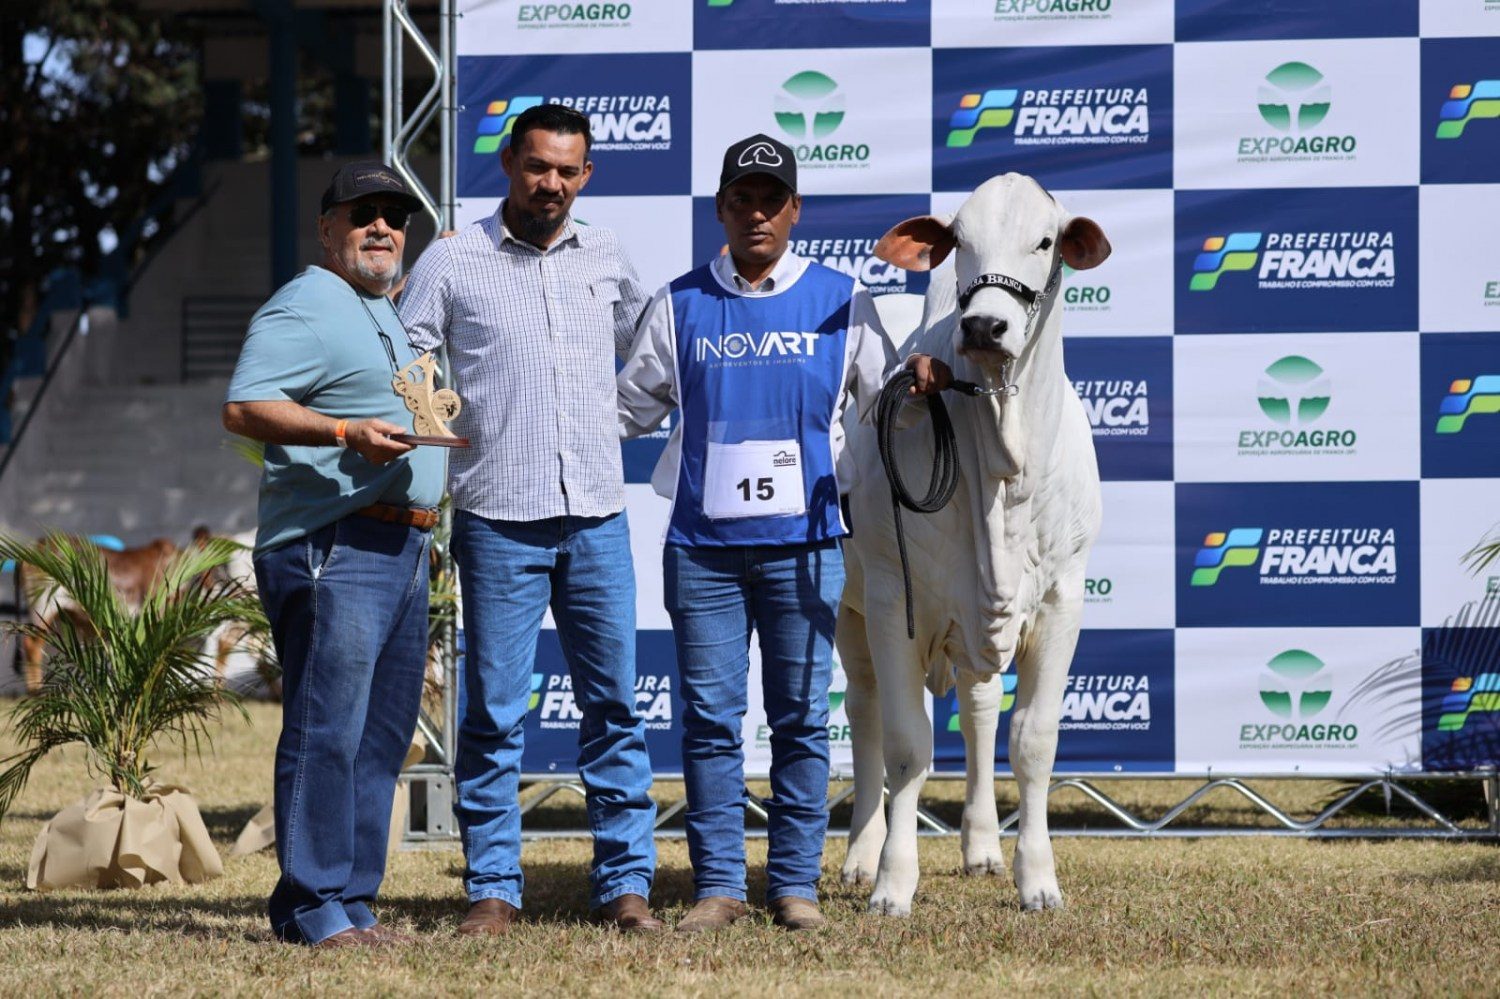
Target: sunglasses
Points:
(395, 216)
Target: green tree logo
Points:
(809, 105)
(1294, 97)
(1292, 674)
(1293, 390)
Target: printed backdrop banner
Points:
(1291, 363)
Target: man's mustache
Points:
(378, 243)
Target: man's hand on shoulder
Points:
(933, 374)
(371, 440)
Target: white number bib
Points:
(753, 479)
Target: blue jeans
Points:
(509, 572)
(348, 611)
(790, 595)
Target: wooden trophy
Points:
(431, 410)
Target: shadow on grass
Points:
(131, 910)
(224, 824)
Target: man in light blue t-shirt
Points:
(340, 554)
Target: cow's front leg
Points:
(907, 744)
(1041, 674)
(978, 715)
(867, 826)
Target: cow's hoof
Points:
(1045, 899)
(857, 874)
(890, 907)
(982, 866)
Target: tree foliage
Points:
(100, 102)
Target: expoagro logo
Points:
(1469, 696)
(1293, 100)
(1300, 556)
(573, 15)
(1468, 397)
(624, 123)
(1053, 10)
(559, 707)
(1054, 116)
(1117, 407)
(1292, 393)
(1468, 102)
(1300, 260)
(1084, 297)
(1296, 689)
(808, 107)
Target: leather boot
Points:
(489, 917)
(796, 913)
(631, 914)
(712, 913)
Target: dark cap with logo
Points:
(759, 154)
(355, 180)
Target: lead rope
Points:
(945, 467)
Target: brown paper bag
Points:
(109, 840)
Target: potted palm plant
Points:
(124, 682)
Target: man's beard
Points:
(372, 272)
(538, 226)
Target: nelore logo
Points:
(559, 707)
(499, 118)
(1052, 10)
(1294, 392)
(809, 106)
(1084, 297)
(1468, 397)
(1300, 260)
(1117, 407)
(856, 258)
(1293, 100)
(573, 15)
(1301, 556)
(1468, 102)
(1469, 696)
(1295, 690)
(1062, 116)
(752, 347)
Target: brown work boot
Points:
(488, 917)
(796, 913)
(631, 914)
(344, 938)
(384, 936)
(712, 913)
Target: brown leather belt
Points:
(410, 516)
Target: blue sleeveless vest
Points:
(753, 376)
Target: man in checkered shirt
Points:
(533, 308)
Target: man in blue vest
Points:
(762, 351)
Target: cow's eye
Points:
(1046, 243)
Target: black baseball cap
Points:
(355, 180)
(759, 154)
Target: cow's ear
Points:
(917, 244)
(1084, 244)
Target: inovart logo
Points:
(1117, 407)
(1293, 100)
(808, 107)
(1468, 397)
(1055, 116)
(1053, 10)
(1286, 692)
(573, 15)
(1222, 255)
(1468, 102)
(1296, 689)
(499, 118)
(1300, 260)
(1469, 696)
(769, 347)
(1236, 549)
(1293, 393)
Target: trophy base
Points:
(418, 439)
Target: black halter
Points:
(1010, 284)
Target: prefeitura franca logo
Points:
(810, 107)
(1468, 397)
(1293, 100)
(1468, 102)
(1294, 393)
(1296, 689)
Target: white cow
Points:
(997, 576)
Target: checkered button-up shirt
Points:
(532, 336)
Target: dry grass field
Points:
(1244, 916)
